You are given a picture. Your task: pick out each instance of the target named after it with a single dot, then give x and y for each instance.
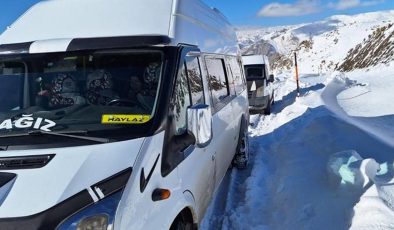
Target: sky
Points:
(286, 12)
(248, 12)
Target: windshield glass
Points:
(90, 91)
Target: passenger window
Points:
(237, 74)
(12, 77)
(182, 102)
(217, 79)
(230, 77)
(195, 81)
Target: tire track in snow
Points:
(229, 194)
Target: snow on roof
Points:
(59, 19)
(184, 21)
(253, 59)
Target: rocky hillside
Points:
(376, 49)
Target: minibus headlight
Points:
(98, 216)
(98, 222)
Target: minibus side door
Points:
(223, 118)
(196, 171)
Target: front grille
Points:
(25, 162)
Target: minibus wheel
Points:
(241, 157)
(267, 110)
(182, 222)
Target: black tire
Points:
(267, 110)
(181, 223)
(241, 158)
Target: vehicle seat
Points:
(64, 92)
(99, 88)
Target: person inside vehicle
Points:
(150, 84)
(62, 92)
(135, 88)
(100, 88)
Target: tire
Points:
(241, 158)
(267, 111)
(181, 223)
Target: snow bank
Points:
(302, 173)
(372, 96)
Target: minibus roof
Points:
(60, 21)
(254, 60)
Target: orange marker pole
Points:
(296, 69)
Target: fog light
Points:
(98, 222)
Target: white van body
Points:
(259, 77)
(118, 114)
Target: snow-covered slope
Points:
(377, 49)
(321, 46)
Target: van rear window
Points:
(254, 72)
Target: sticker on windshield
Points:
(27, 121)
(124, 119)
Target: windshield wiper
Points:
(40, 132)
(95, 139)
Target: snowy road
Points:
(290, 183)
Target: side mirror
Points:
(199, 123)
(271, 78)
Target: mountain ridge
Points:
(322, 46)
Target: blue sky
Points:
(249, 12)
(284, 12)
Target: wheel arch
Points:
(187, 215)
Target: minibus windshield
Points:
(89, 91)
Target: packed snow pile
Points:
(337, 43)
(323, 160)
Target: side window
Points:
(195, 81)
(217, 79)
(12, 77)
(236, 69)
(182, 101)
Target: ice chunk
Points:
(348, 169)
(340, 170)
